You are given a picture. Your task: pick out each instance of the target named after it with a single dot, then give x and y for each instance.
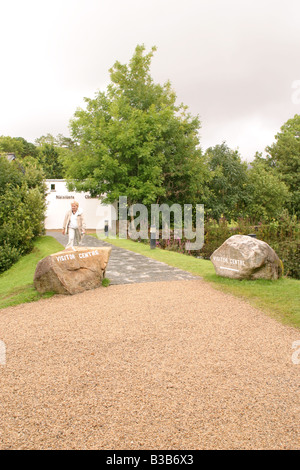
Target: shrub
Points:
(8, 256)
(22, 207)
(214, 235)
(289, 253)
(283, 235)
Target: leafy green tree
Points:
(228, 182)
(33, 175)
(17, 145)
(51, 153)
(284, 158)
(267, 195)
(134, 140)
(50, 159)
(59, 141)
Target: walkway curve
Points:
(126, 267)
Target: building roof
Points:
(54, 180)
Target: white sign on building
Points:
(59, 202)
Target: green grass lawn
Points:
(280, 298)
(16, 284)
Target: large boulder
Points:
(72, 271)
(245, 257)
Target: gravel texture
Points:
(164, 365)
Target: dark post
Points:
(106, 228)
(152, 237)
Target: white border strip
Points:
(230, 269)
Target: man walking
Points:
(74, 225)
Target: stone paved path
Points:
(127, 267)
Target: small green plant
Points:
(105, 282)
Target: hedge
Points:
(22, 210)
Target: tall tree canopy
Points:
(50, 160)
(284, 158)
(17, 145)
(267, 195)
(48, 151)
(134, 140)
(228, 182)
(51, 153)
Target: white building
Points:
(59, 202)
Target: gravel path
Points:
(163, 365)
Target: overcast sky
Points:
(235, 63)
